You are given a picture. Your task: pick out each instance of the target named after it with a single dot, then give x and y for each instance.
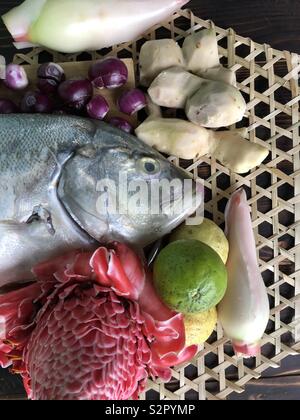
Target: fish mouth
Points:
(186, 207)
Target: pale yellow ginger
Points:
(176, 137)
(207, 103)
(186, 140)
(237, 153)
(215, 105)
(220, 74)
(156, 56)
(173, 87)
(200, 51)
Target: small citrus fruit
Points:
(208, 232)
(190, 276)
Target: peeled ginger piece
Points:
(208, 103)
(215, 105)
(220, 74)
(200, 51)
(172, 87)
(186, 140)
(156, 56)
(237, 153)
(176, 137)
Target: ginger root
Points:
(186, 140)
(207, 103)
(156, 56)
(173, 87)
(237, 153)
(215, 105)
(176, 137)
(220, 74)
(200, 51)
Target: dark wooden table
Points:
(276, 22)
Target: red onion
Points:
(132, 101)
(50, 75)
(8, 107)
(121, 124)
(36, 102)
(97, 107)
(110, 73)
(47, 86)
(16, 77)
(51, 71)
(76, 93)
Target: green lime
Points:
(190, 276)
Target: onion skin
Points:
(37, 102)
(122, 124)
(97, 108)
(132, 101)
(244, 312)
(75, 94)
(110, 73)
(16, 77)
(51, 71)
(47, 86)
(50, 75)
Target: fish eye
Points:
(150, 166)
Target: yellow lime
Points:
(199, 327)
(208, 232)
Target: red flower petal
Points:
(99, 263)
(120, 282)
(151, 303)
(133, 268)
(82, 264)
(77, 315)
(174, 359)
(17, 308)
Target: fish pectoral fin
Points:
(39, 213)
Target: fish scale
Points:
(24, 138)
(50, 167)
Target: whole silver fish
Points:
(50, 167)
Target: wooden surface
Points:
(270, 21)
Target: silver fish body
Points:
(52, 172)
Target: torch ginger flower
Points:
(91, 327)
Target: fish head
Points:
(118, 188)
